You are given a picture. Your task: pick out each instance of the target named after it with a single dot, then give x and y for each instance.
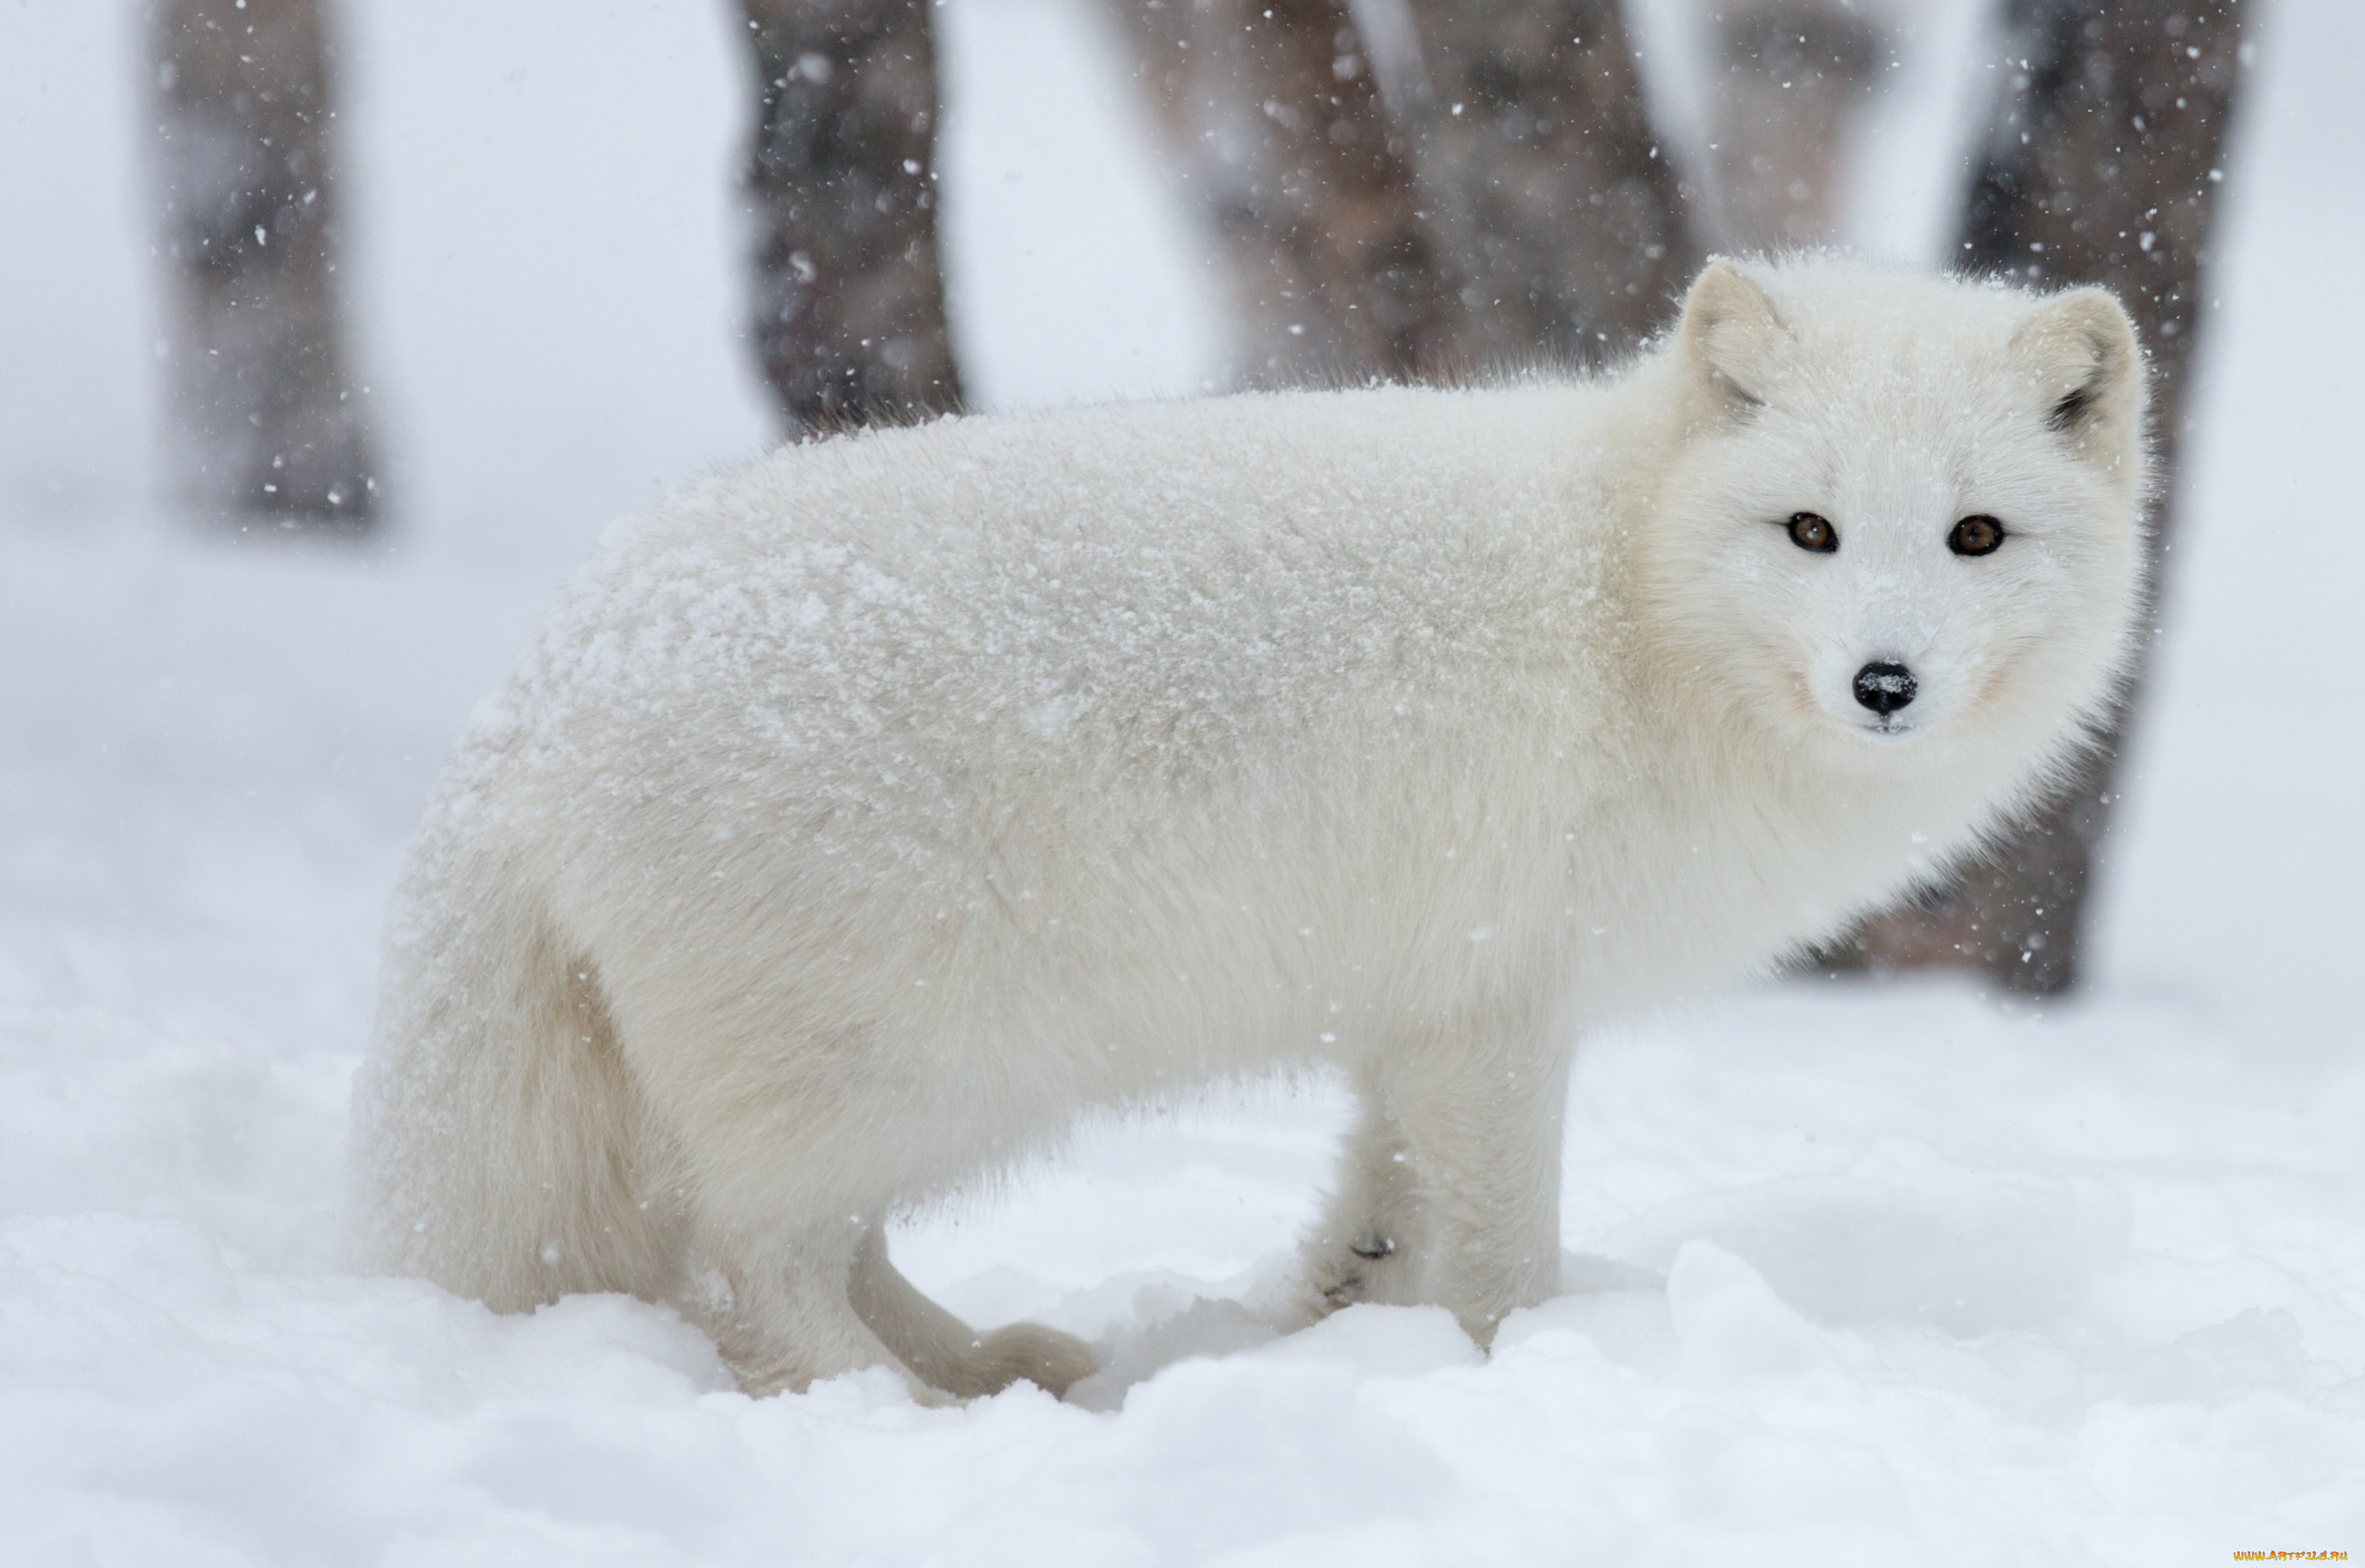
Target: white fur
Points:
(866, 815)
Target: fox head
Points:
(1905, 521)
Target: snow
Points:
(1860, 1273)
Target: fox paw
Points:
(1023, 1352)
(1342, 1278)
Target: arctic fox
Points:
(866, 815)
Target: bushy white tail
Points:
(543, 1179)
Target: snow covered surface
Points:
(1857, 1273)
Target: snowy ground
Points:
(1859, 1274)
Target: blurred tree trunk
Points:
(1274, 123)
(849, 307)
(1373, 221)
(1561, 218)
(267, 419)
(1410, 189)
(1790, 75)
(2104, 164)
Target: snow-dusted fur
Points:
(866, 815)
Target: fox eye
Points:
(1976, 536)
(1809, 531)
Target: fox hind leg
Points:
(778, 1309)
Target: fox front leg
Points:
(1362, 1248)
(1450, 1194)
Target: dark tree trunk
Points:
(267, 419)
(1790, 76)
(1482, 188)
(2103, 165)
(1410, 189)
(849, 307)
(1274, 123)
(1561, 218)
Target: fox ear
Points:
(1731, 333)
(2082, 348)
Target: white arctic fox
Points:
(866, 815)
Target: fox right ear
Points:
(2082, 348)
(1731, 333)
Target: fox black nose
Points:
(1884, 689)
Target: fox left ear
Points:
(1732, 335)
(2081, 347)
